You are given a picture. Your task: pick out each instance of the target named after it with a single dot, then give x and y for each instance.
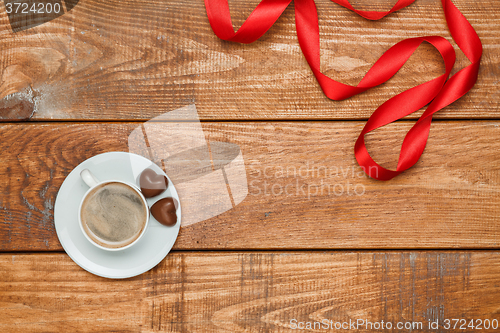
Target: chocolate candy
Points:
(152, 184)
(164, 211)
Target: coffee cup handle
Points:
(89, 178)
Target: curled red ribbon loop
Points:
(259, 21)
(438, 92)
(374, 15)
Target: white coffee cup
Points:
(113, 214)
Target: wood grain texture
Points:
(305, 187)
(137, 59)
(250, 292)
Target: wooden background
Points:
(421, 247)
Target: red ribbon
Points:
(439, 92)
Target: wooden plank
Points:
(138, 59)
(305, 189)
(252, 292)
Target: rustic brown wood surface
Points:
(135, 60)
(107, 67)
(305, 188)
(252, 292)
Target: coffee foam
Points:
(113, 215)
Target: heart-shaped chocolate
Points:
(151, 183)
(164, 211)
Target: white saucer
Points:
(142, 256)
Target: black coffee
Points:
(113, 215)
